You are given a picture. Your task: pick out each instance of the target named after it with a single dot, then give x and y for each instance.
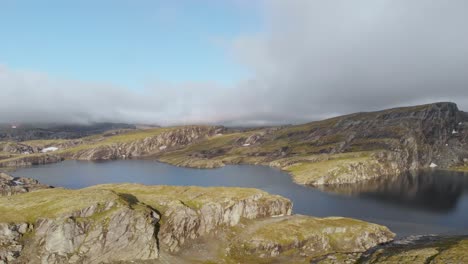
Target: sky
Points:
(232, 62)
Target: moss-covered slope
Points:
(343, 149)
(130, 222)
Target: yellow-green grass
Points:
(413, 256)
(340, 234)
(306, 172)
(339, 230)
(451, 250)
(99, 140)
(159, 196)
(459, 168)
(234, 153)
(184, 155)
(19, 157)
(455, 254)
(50, 203)
(44, 143)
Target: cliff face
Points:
(405, 138)
(149, 145)
(133, 223)
(29, 160)
(11, 186)
(183, 222)
(192, 212)
(110, 229)
(345, 149)
(298, 239)
(424, 250)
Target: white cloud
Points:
(315, 59)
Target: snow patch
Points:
(433, 165)
(49, 149)
(454, 132)
(246, 145)
(162, 147)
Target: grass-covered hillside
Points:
(343, 149)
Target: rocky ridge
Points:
(419, 250)
(340, 150)
(108, 230)
(30, 160)
(103, 224)
(10, 185)
(159, 143)
(346, 149)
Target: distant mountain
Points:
(341, 150)
(23, 132)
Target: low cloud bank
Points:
(316, 59)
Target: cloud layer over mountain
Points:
(315, 59)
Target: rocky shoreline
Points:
(136, 223)
(342, 150)
(131, 222)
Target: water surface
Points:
(430, 202)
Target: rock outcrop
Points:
(302, 239)
(10, 185)
(422, 250)
(132, 223)
(396, 141)
(182, 222)
(17, 148)
(192, 212)
(152, 144)
(25, 132)
(107, 230)
(29, 160)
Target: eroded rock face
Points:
(10, 185)
(423, 250)
(17, 148)
(10, 244)
(101, 233)
(150, 145)
(30, 160)
(183, 223)
(120, 223)
(301, 239)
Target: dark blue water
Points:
(432, 202)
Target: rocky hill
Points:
(136, 223)
(10, 185)
(26, 132)
(340, 150)
(344, 149)
(420, 250)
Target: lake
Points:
(429, 202)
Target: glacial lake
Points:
(430, 202)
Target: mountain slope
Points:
(343, 149)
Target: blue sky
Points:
(126, 42)
(237, 62)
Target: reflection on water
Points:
(429, 202)
(428, 190)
